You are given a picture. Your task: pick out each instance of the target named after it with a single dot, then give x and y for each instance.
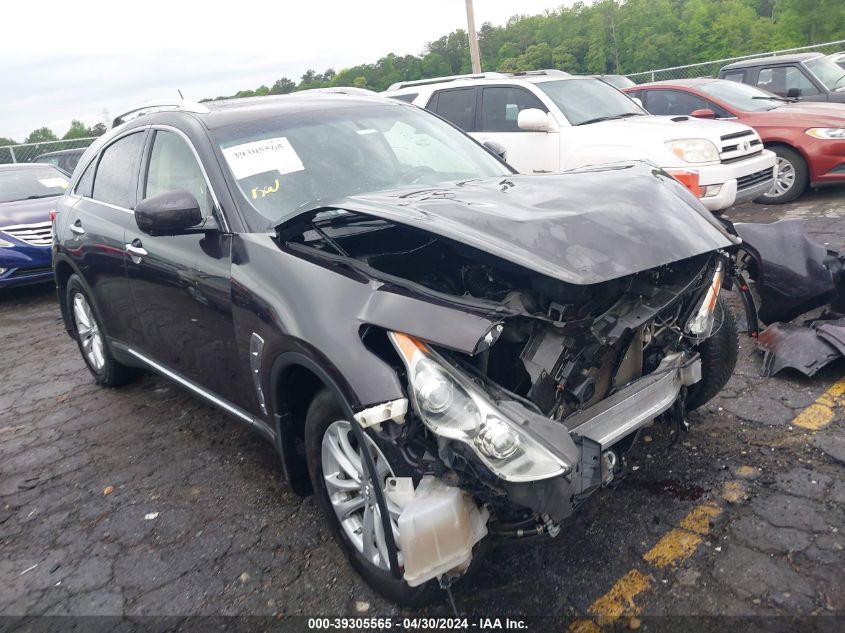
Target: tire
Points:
(323, 413)
(91, 339)
(792, 168)
(718, 358)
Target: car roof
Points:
(686, 83)
(234, 111)
(775, 59)
(531, 76)
(14, 166)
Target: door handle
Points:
(136, 251)
(76, 228)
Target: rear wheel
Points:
(718, 357)
(792, 177)
(92, 340)
(345, 496)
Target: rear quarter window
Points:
(456, 106)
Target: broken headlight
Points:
(453, 407)
(700, 324)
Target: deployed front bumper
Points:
(598, 428)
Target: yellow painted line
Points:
(821, 413)
(698, 520)
(620, 599)
(675, 545)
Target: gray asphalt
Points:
(198, 519)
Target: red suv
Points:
(808, 138)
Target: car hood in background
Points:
(653, 127)
(802, 114)
(27, 211)
(582, 227)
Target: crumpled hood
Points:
(26, 211)
(582, 227)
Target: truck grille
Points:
(744, 182)
(38, 234)
(739, 146)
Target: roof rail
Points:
(340, 90)
(437, 80)
(548, 71)
(160, 106)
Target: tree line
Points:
(605, 36)
(76, 130)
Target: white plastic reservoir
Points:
(437, 530)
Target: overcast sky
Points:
(73, 60)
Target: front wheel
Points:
(345, 496)
(791, 180)
(718, 357)
(91, 339)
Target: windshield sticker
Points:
(51, 183)
(265, 190)
(258, 157)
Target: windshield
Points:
(742, 96)
(29, 183)
(827, 71)
(305, 159)
(589, 100)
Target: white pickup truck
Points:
(550, 121)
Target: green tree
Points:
(282, 86)
(6, 141)
(98, 130)
(77, 130)
(40, 135)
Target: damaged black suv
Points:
(445, 352)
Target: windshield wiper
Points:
(774, 98)
(612, 117)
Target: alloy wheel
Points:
(351, 495)
(88, 331)
(786, 177)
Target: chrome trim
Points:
(637, 404)
(207, 395)
(35, 234)
(78, 230)
(136, 251)
(256, 347)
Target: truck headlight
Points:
(451, 406)
(700, 324)
(694, 150)
(826, 132)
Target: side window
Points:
(781, 79)
(456, 106)
(736, 75)
(116, 175)
(500, 106)
(83, 187)
(173, 166)
(673, 102)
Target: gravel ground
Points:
(145, 501)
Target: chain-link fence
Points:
(29, 152)
(711, 68)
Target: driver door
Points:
(180, 284)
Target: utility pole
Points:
(473, 39)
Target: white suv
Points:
(550, 121)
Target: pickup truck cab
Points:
(805, 76)
(550, 121)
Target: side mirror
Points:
(496, 148)
(534, 120)
(793, 93)
(166, 213)
(703, 113)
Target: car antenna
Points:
(180, 94)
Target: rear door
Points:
(528, 152)
(98, 221)
(180, 284)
